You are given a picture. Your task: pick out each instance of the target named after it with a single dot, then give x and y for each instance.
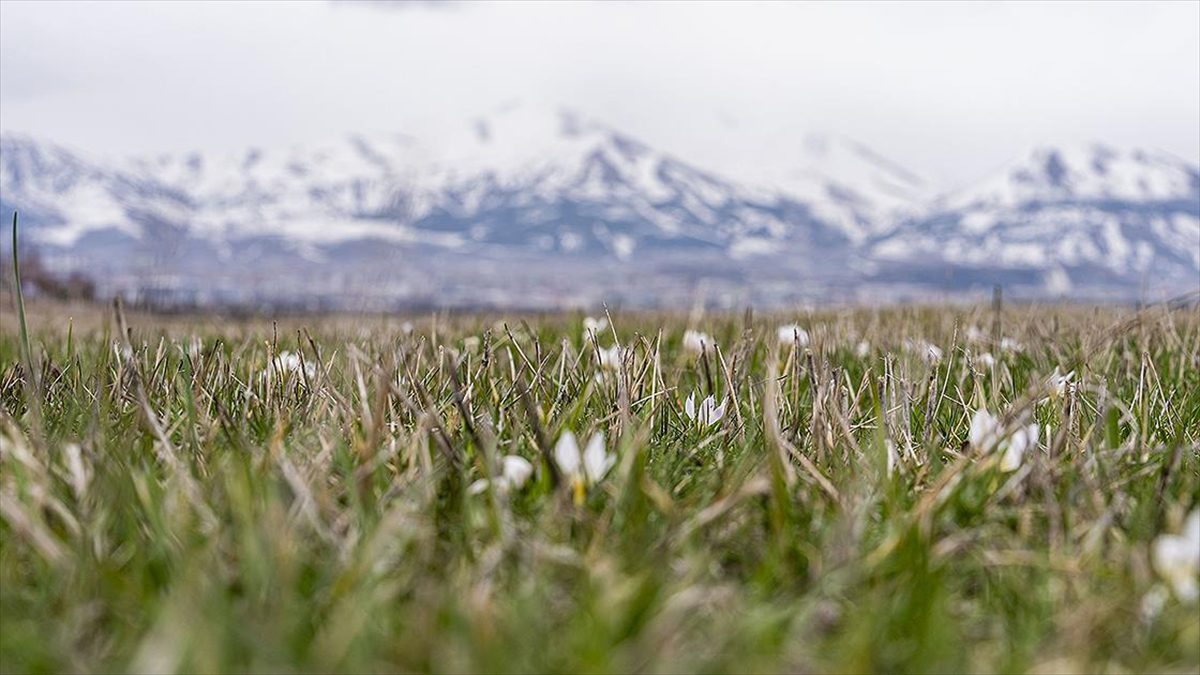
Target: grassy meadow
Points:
(374, 494)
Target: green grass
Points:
(173, 503)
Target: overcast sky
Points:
(949, 90)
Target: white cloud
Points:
(949, 89)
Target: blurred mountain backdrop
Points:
(541, 209)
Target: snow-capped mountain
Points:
(524, 206)
(67, 196)
(849, 184)
(1093, 217)
(556, 184)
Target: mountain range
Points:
(543, 209)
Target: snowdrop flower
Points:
(515, 471)
(593, 326)
(792, 334)
(1176, 558)
(585, 469)
(709, 413)
(986, 434)
(696, 342)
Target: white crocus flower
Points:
(983, 429)
(1176, 558)
(696, 342)
(1024, 438)
(195, 349)
(593, 326)
(610, 359)
(289, 362)
(709, 412)
(1011, 345)
(932, 353)
(928, 351)
(1060, 384)
(987, 434)
(584, 469)
(122, 351)
(515, 471)
(791, 334)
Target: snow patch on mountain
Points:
(1133, 215)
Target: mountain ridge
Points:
(526, 189)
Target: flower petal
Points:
(1191, 531)
(983, 430)
(595, 459)
(566, 454)
(718, 412)
(516, 471)
(704, 416)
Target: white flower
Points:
(986, 434)
(986, 360)
(1011, 345)
(407, 327)
(931, 353)
(593, 326)
(983, 429)
(696, 342)
(709, 413)
(610, 359)
(585, 469)
(974, 334)
(863, 349)
(792, 334)
(1060, 384)
(195, 349)
(1176, 558)
(1024, 438)
(515, 471)
(122, 351)
(80, 475)
(1152, 603)
(289, 362)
